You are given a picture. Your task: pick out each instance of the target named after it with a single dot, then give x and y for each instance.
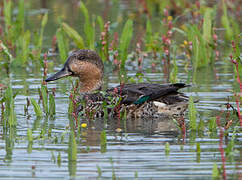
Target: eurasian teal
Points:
(137, 100)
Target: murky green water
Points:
(137, 152)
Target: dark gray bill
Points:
(62, 73)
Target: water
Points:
(137, 152)
(140, 151)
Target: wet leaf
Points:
(37, 109)
(73, 34)
(192, 114)
(125, 41)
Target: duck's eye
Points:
(81, 57)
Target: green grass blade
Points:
(30, 135)
(226, 23)
(7, 11)
(44, 98)
(73, 34)
(44, 20)
(20, 18)
(125, 41)
(215, 173)
(51, 104)
(23, 48)
(167, 148)
(148, 35)
(9, 112)
(101, 23)
(88, 28)
(61, 45)
(72, 150)
(207, 25)
(6, 51)
(103, 144)
(37, 109)
(38, 47)
(192, 114)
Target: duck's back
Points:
(143, 92)
(140, 100)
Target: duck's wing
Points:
(142, 92)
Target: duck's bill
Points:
(62, 73)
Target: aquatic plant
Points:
(198, 150)
(89, 30)
(221, 149)
(72, 150)
(37, 109)
(99, 170)
(63, 46)
(44, 95)
(74, 35)
(125, 41)
(51, 104)
(235, 59)
(104, 50)
(30, 136)
(9, 114)
(157, 35)
(38, 38)
(103, 143)
(215, 173)
(17, 38)
(167, 148)
(192, 114)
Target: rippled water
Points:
(139, 152)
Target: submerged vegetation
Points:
(159, 37)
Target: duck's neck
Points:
(92, 85)
(91, 79)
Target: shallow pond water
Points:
(139, 151)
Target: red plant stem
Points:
(183, 128)
(221, 149)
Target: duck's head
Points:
(86, 65)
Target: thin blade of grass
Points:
(10, 112)
(6, 51)
(73, 34)
(37, 109)
(101, 23)
(72, 150)
(51, 104)
(125, 41)
(207, 25)
(61, 45)
(44, 98)
(20, 18)
(192, 114)
(88, 28)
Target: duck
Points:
(135, 100)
